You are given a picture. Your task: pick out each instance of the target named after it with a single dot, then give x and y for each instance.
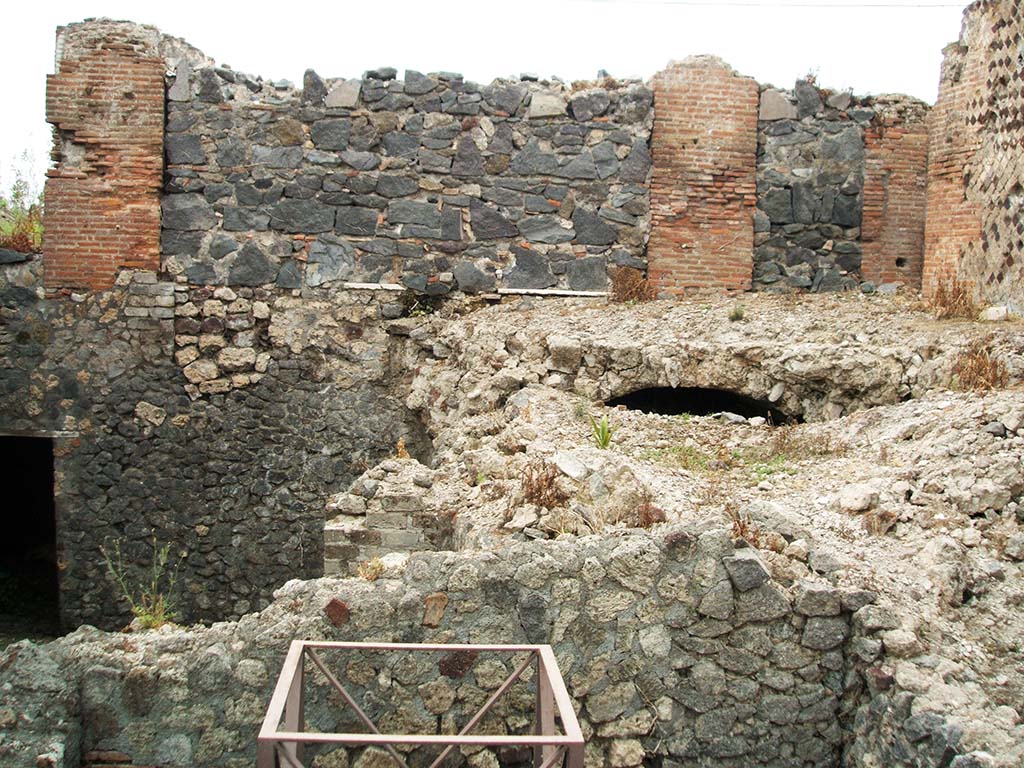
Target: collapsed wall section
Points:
(106, 102)
(703, 187)
(975, 227)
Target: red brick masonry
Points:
(103, 198)
(703, 186)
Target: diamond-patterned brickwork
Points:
(975, 225)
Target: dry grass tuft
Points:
(979, 369)
(794, 444)
(878, 522)
(371, 570)
(24, 233)
(953, 298)
(630, 284)
(644, 514)
(540, 486)
(742, 527)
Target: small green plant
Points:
(775, 465)
(149, 600)
(579, 410)
(688, 457)
(21, 209)
(601, 431)
(737, 313)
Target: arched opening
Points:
(29, 605)
(700, 401)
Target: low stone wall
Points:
(676, 646)
(893, 725)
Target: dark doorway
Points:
(698, 401)
(28, 549)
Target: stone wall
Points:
(976, 159)
(388, 509)
(676, 646)
(441, 184)
(703, 186)
(219, 394)
(230, 455)
(893, 725)
(433, 182)
(840, 190)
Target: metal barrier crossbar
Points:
(282, 739)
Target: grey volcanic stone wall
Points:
(888, 723)
(230, 457)
(432, 181)
(674, 647)
(810, 186)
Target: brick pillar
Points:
(974, 229)
(106, 103)
(703, 185)
(895, 193)
(953, 223)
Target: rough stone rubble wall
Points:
(103, 197)
(272, 199)
(703, 187)
(840, 190)
(975, 225)
(432, 181)
(677, 646)
(235, 476)
(442, 184)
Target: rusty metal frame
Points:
(281, 739)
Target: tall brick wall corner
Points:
(974, 230)
(703, 184)
(895, 193)
(106, 103)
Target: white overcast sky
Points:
(875, 46)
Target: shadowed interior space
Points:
(699, 401)
(28, 552)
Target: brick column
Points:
(703, 185)
(895, 194)
(106, 103)
(953, 223)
